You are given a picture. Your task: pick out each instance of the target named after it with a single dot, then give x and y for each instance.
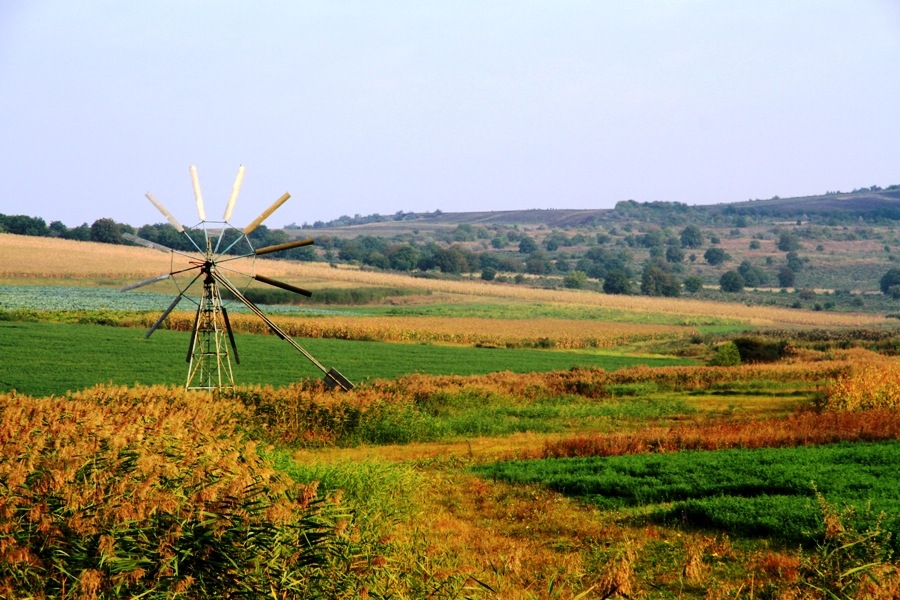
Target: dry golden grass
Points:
(874, 384)
(24, 258)
(560, 333)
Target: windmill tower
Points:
(214, 248)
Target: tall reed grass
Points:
(117, 492)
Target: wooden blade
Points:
(163, 316)
(141, 241)
(145, 282)
(174, 222)
(283, 285)
(275, 329)
(196, 181)
(334, 379)
(265, 214)
(234, 193)
(285, 246)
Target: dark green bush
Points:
(754, 349)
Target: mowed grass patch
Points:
(51, 358)
(769, 492)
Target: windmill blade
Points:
(341, 382)
(283, 285)
(172, 220)
(265, 214)
(237, 359)
(334, 379)
(163, 316)
(145, 282)
(285, 246)
(141, 241)
(234, 193)
(190, 352)
(201, 211)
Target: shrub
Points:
(617, 282)
(788, 242)
(727, 355)
(753, 276)
(716, 256)
(693, 283)
(731, 282)
(754, 349)
(575, 280)
(786, 277)
(691, 237)
(890, 280)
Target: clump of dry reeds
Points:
(153, 492)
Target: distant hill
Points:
(879, 204)
(883, 204)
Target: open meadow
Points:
(501, 442)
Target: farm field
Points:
(501, 442)
(76, 356)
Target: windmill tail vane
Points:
(212, 343)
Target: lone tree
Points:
(617, 282)
(786, 277)
(890, 283)
(715, 256)
(691, 237)
(788, 242)
(732, 282)
(693, 283)
(656, 281)
(106, 231)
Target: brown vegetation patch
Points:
(800, 429)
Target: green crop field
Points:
(762, 492)
(52, 358)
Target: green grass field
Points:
(767, 492)
(51, 358)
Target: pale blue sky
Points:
(365, 106)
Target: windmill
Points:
(217, 248)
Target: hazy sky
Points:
(367, 106)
